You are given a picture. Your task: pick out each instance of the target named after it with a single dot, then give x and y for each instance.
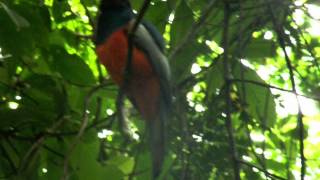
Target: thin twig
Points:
(241, 45)
(100, 75)
(136, 173)
(308, 47)
(91, 21)
(184, 140)
(259, 160)
(273, 176)
(10, 161)
(53, 151)
(264, 125)
(34, 149)
(273, 87)
(195, 27)
(133, 173)
(83, 126)
(38, 143)
(84, 36)
(13, 147)
(288, 154)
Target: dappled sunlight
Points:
(239, 73)
(289, 106)
(13, 105)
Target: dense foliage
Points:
(239, 67)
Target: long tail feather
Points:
(157, 141)
(156, 136)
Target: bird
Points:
(149, 82)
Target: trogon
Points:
(148, 85)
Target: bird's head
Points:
(114, 4)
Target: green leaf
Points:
(181, 24)
(124, 163)
(167, 165)
(18, 20)
(4, 77)
(183, 61)
(26, 43)
(215, 79)
(260, 101)
(52, 162)
(89, 3)
(137, 4)
(275, 164)
(41, 102)
(76, 98)
(73, 68)
(260, 48)
(158, 14)
(295, 133)
(143, 165)
(316, 2)
(85, 164)
(59, 10)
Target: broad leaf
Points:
(261, 104)
(73, 68)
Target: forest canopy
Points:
(246, 87)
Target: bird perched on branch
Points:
(148, 83)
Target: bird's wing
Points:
(147, 42)
(144, 40)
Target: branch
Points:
(227, 77)
(280, 34)
(128, 69)
(142, 11)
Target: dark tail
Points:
(157, 139)
(157, 143)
